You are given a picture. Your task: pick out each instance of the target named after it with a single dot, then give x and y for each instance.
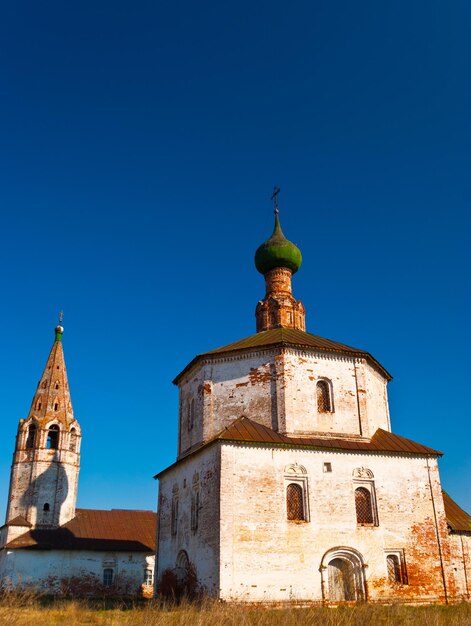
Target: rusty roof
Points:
(286, 337)
(246, 430)
(115, 530)
(19, 520)
(456, 517)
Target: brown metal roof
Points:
(19, 520)
(246, 430)
(115, 530)
(457, 518)
(286, 337)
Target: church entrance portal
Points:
(345, 578)
(341, 580)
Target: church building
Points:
(48, 544)
(289, 484)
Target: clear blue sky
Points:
(139, 144)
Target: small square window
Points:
(327, 467)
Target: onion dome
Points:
(277, 251)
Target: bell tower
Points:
(46, 461)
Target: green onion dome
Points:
(277, 252)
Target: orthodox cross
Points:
(274, 197)
(61, 315)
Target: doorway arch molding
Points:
(354, 560)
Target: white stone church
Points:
(289, 484)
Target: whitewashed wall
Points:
(265, 557)
(79, 572)
(277, 388)
(201, 544)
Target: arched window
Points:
(44, 385)
(294, 502)
(73, 440)
(108, 577)
(46, 507)
(191, 414)
(52, 442)
(56, 406)
(394, 568)
(56, 386)
(363, 506)
(31, 438)
(174, 516)
(324, 399)
(38, 405)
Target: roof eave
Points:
(281, 344)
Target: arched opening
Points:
(46, 507)
(73, 440)
(345, 576)
(294, 502)
(31, 438)
(363, 506)
(394, 568)
(52, 442)
(324, 400)
(341, 580)
(182, 566)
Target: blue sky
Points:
(139, 146)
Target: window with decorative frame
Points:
(296, 493)
(365, 497)
(396, 567)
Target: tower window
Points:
(44, 385)
(31, 438)
(56, 386)
(73, 440)
(46, 507)
(324, 397)
(52, 442)
(108, 577)
(363, 506)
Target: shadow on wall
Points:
(47, 493)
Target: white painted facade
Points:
(277, 388)
(75, 572)
(245, 548)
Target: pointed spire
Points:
(52, 398)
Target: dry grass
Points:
(26, 609)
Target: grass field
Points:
(28, 610)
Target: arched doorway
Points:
(343, 575)
(341, 580)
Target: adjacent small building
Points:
(289, 484)
(46, 542)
